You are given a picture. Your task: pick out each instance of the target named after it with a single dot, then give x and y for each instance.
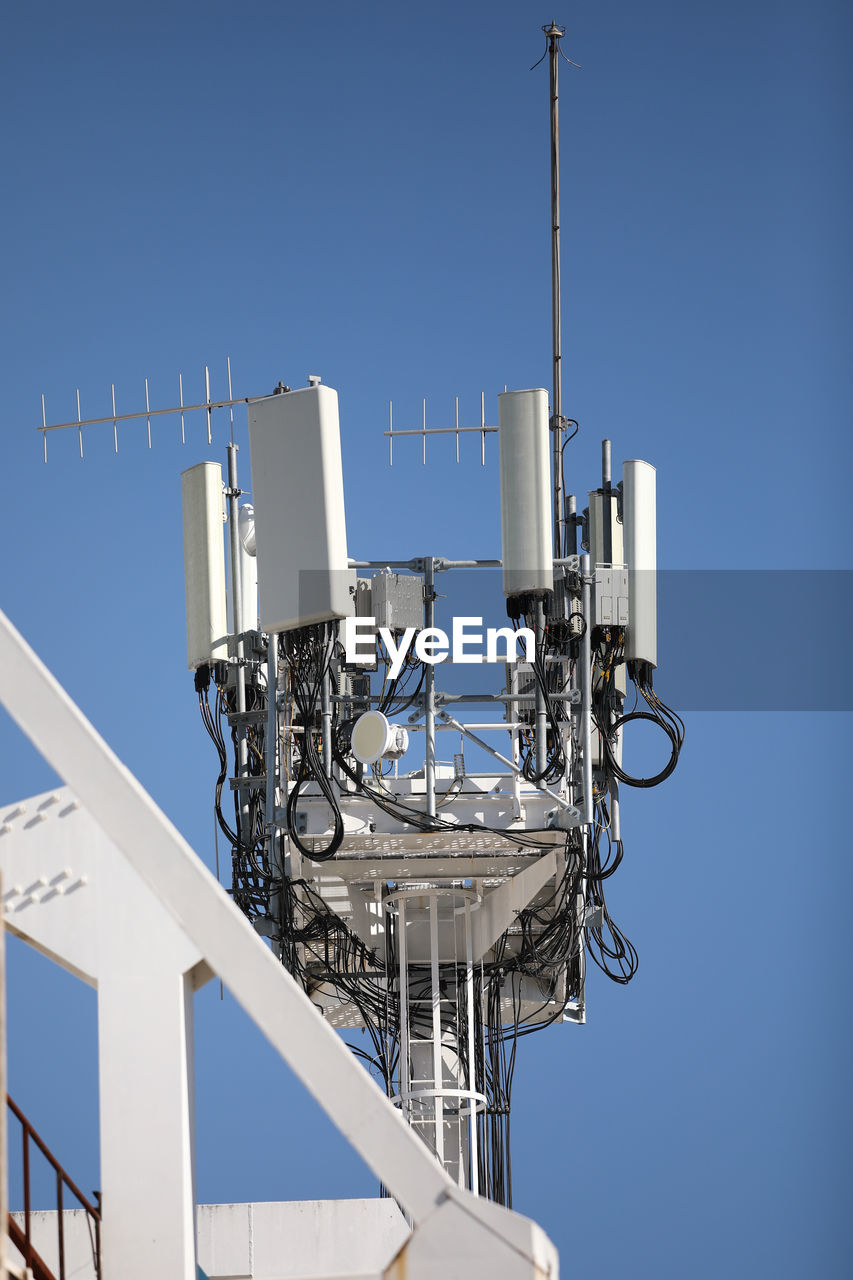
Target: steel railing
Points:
(21, 1237)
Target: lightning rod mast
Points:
(554, 34)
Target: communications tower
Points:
(428, 861)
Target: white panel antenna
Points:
(298, 491)
(204, 564)
(528, 564)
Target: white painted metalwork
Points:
(437, 1037)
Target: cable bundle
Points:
(309, 652)
(611, 950)
(251, 873)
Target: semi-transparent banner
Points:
(727, 640)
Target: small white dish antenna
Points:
(373, 738)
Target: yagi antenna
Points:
(423, 431)
(207, 404)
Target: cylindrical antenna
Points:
(554, 34)
(605, 466)
(571, 525)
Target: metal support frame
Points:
(429, 687)
(233, 493)
(516, 771)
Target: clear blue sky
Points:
(361, 192)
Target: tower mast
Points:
(554, 34)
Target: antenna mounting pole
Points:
(554, 34)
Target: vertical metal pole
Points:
(541, 711)
(473, 1155)
(271, 742)
(429, 687)
(402, 953)
(60, 1225)
(26, 1155)
(554, 34)
(581, 922)
(512, 711)
(438, 1080)
(236, 611)
(586, 746)
(605, 466)
(586, 689)
(326, 710)
(275, 850)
